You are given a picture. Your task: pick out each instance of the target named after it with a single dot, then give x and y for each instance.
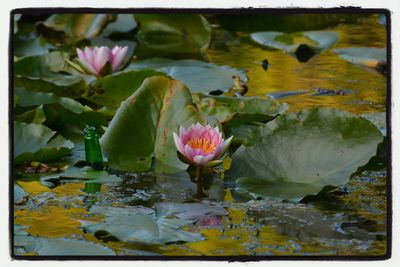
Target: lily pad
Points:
(30, 47)
(85, 175)
(111, 90)
(78, 26)
(27, 98)
(370, 57)
(37, 142)
(239, 110)
(198, 75)
(302, 45)
(139, 225)
(42, 73)
(379, 119)
(59, 247)
(35, 116)
(123, 23)
(188, 211)
(173, 33)
(314, 148)
(159, 106)
(19, 193)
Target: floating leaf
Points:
(134, 224)
(312, 148)
(85, 175)
(59, 247)
(122, 24)
(159, 106)
(174, 33)
(111, 90)
(377, 118)
(30, 47)
(28, 98)
(19, 193)
(238, 110)
(41, 73)
(370, 57)
(199, 76)
(302, 45)
(78, 26)
(35, 116)
(37, 142)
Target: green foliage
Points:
(111, 90)
(174, 33)
(78, 26)
(314, 148)
(302, 45)
(135, 224)
(42, 73)
(37, 142)
(142, 127)
(198, 76)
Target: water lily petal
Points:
(118, 58)
(178, 143)
(101, 56)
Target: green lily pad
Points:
(123, 23)
(314, 148)
(37, 142)
(173, 33)
(27, 98)
(29, 47)
(302, 46)
(35, 116)
(134, 224)
(42, 73)
(78, 26)
(59, 247)
(142, 127)
(198, 75)
(379, 119)
(111, 90)
(238, 110)
(19, 193)
(371, 57)
(85, 175)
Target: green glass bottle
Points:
(92, 188)
(93, 153)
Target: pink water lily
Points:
(100, 61)
(201, 145)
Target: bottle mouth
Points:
(90, 131)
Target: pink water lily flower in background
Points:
(101, 61)
(201, 145)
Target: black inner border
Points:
(245, 11)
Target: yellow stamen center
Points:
(203, 144)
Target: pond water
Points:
(349, 220)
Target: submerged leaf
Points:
(315, 148)
(142, 127)
(135, 224)
(59, 247)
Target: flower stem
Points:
(199, 187)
